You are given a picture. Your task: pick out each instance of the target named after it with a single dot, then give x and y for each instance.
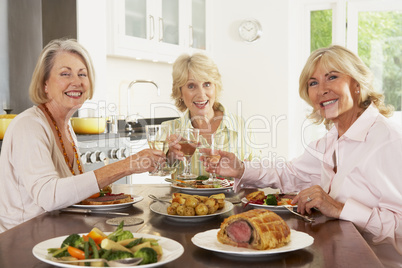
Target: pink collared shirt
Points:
(368, 179)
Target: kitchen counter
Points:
(93, 137)
(336, 243)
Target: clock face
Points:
(250, 30)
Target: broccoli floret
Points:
(73, 240)
(120, 234)
(271, 200)
(148, 255)
(117, 255)
(125, 235)
(202, 178)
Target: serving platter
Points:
(136, 199)
(208, 240)
(161, 208)
(171, 250)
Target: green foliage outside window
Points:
(321, 29)
(380, 47)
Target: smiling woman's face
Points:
(68, 82)
(334, 94)
(199, 97)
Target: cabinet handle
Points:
(160, 29)
(152, 27)
(191, 41)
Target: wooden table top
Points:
(336, 243)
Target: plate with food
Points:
(253, 233)
(198, 186)
(109, 202)
(185, 207)
(105, 199)
(160, 250)
(271, 201)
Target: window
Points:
(373, 31)
(320, 29)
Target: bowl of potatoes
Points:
(186, 207)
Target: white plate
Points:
(136, 199)
(208, 240)
(161, 208)
(171, 250)
(270, 207)
(201, 191)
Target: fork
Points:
(158, 199)
(307, 218)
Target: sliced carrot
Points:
(95, 195)
(96, 236)
(85, 237)
(76, 253)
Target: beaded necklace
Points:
(62, 144)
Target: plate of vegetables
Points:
(272, 201)
(120, 244)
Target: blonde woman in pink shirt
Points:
(354, 172)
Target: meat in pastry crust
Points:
(257, 229)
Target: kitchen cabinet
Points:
(158, 30)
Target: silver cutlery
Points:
(90, 211)
(158, 199)
(307, 218)
(115, 263)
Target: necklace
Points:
(62, 144)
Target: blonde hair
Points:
(202, 68)
(339, 59)
(45, 64)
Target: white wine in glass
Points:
(157, 139)
(214, 142)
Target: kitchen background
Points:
(260, 79)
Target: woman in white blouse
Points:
(354, 172)
(40, 168)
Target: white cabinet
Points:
(157, 30)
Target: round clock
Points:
(250, 30)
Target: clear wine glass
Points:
(214, 142)
(188, 140)
(157, 139)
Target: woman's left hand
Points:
(315, 197)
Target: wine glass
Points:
(188, 140)
(157, 139)
(214, 142)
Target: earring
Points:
(357, 91)
(180, 101)
(46, 89)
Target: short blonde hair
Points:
(45, 64)
(339, 59)
(202, 68)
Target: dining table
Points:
(337, 243)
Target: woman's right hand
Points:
(229, 165)
(174, 149)
(145, 160)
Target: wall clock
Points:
(250, 30)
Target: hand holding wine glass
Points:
(157, 139)
(214, 142)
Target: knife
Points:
(87, 211)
